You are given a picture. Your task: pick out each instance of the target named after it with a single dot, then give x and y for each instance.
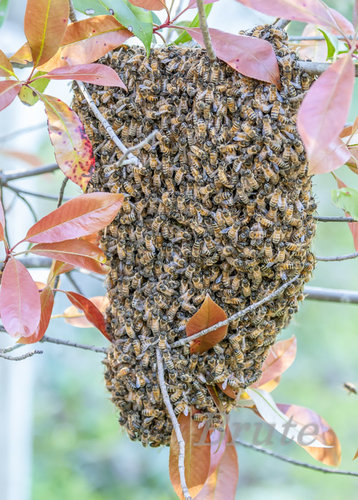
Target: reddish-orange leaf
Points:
(353, 226)
(9, 89)
(93, 238)
(45, 25)
(280, 357)
(197, 456)
(23, 56)
(149, 4)
(208, 314)
(76, 318)
(33, 160)
(87, 40)
(5, 66)
(76, 252)
(75, 218)
(47, 300)
(318, 426)
(20, 308)
(2, 221)
(99, 74)
(73, 149)
(250, 56)
(92, 313)
(356, 455)
(323, 113)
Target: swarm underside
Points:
(221, 205)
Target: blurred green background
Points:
(79, 451)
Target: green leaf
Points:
(138, 21)
(332, 43)
(27, 95)
(347, 199)
(4, 4)
(185, 37)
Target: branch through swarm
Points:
(317, 68)
(205, 31)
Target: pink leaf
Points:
(99, 74)
(47, 300)
(324, 111)
(329, 158)
(8, 91)
(250, 56)
(193, 5)
(20, 307)
(81, 216)
(149, 4)
(342, 22)
(353, 226)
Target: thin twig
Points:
(133, 148)
(93, 348)
(20, 358)
(281, 24)
(36, 195)
(335, 219)
(335, 258)
(20, 174)
(331, 295)
(105, 123)
(205, 31)
(5, 350)
(27, 203)
(175, 423)
(314, 38)
(62, 191)
(317, 68)
(295, 462)
(235, 316)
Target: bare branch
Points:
(105, 123)
(295, 462)
(5, 350)
(315, 38)
(335, 258)
(235, 316)
(281, 24)
(25, 130)
(20, 174)
(334, 219)
(316, 68)
(68, 343)
(205, 31)
(175, 423)
(331, 295)
(134, 148)
(33, 261)
(27, 203)
(36, 195)
(22, 357)
(62, 191)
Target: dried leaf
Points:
(45, 25)
(314, 50)
(76, 318)
(76, 252)
(99, 74)
(197, 456)
(87, 40)
(47, 300)
(280, 357)
(229, 391)
(356, 455)
(6, 68)
(23, 56)
(20, 308)
(92, 313)
(353, 226)
(73, 149)
(75, 218)
(208, 314)
(324, 111)
(8, 91)
(149, 4)
(324, 433)
(250, 56)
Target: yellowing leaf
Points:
(208, 314)
(5, 66)
(73, 149)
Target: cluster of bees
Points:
(220, 204)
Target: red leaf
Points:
(208, 314)
(73, 149)
(2, 222)
(193, 5)
(99, 74)
(8, 91)
(87, 40)
(75, 218)
(353, 226)
(324, 111)
(323, 432)
(45, 25)
(20, 307)
(149, 4)
(92, 313)
(197, 457)
(280, 357)
(76, 252)
(75, 318)
(306, 11)
(222, 483)
(250, 56)
(47, 300)
(5, 66)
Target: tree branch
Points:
(334, 219)
(33, 261)
(281, 24)
(295, 462)
(134, 148)
(31, 193)
(175, 423)
(295, 38)
(205, 31)
(20, 174)
(316, 68)
(22, 357)
(235, 316)
(68, 343)
(25, 130)
(337, 257)
(331, 295)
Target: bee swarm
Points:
(221, 204)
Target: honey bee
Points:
(249, 130)
(350, 388)
(266, 125)
(246, 288)
(182, 407)
(276, 236)
(305, 81)
(123, 371)
(275, 110)
(257, 232)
